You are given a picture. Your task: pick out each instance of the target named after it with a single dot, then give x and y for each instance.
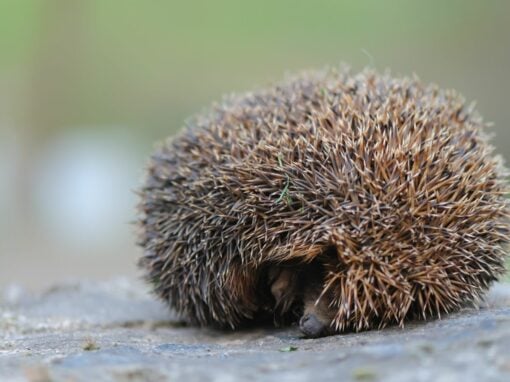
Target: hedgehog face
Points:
(303, 287)
(344, 202)
(318, 313)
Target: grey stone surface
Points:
(116, 331)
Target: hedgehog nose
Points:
(311, 326)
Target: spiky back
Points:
(396, 177)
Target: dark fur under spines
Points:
(391, 185)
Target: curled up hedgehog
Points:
(339, 201)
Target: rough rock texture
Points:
(115, 331)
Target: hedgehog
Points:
(337, 201)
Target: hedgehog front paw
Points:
(283, 282)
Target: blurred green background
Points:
(87, 86)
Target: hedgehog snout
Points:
(318, 312)
(311, 326)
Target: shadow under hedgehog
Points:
(344, 202)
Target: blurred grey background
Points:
(87, 87)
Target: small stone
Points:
(288, 349)
(485, 343)
(426, 347)
(38, 374)
(90, 345)
(363, 374)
